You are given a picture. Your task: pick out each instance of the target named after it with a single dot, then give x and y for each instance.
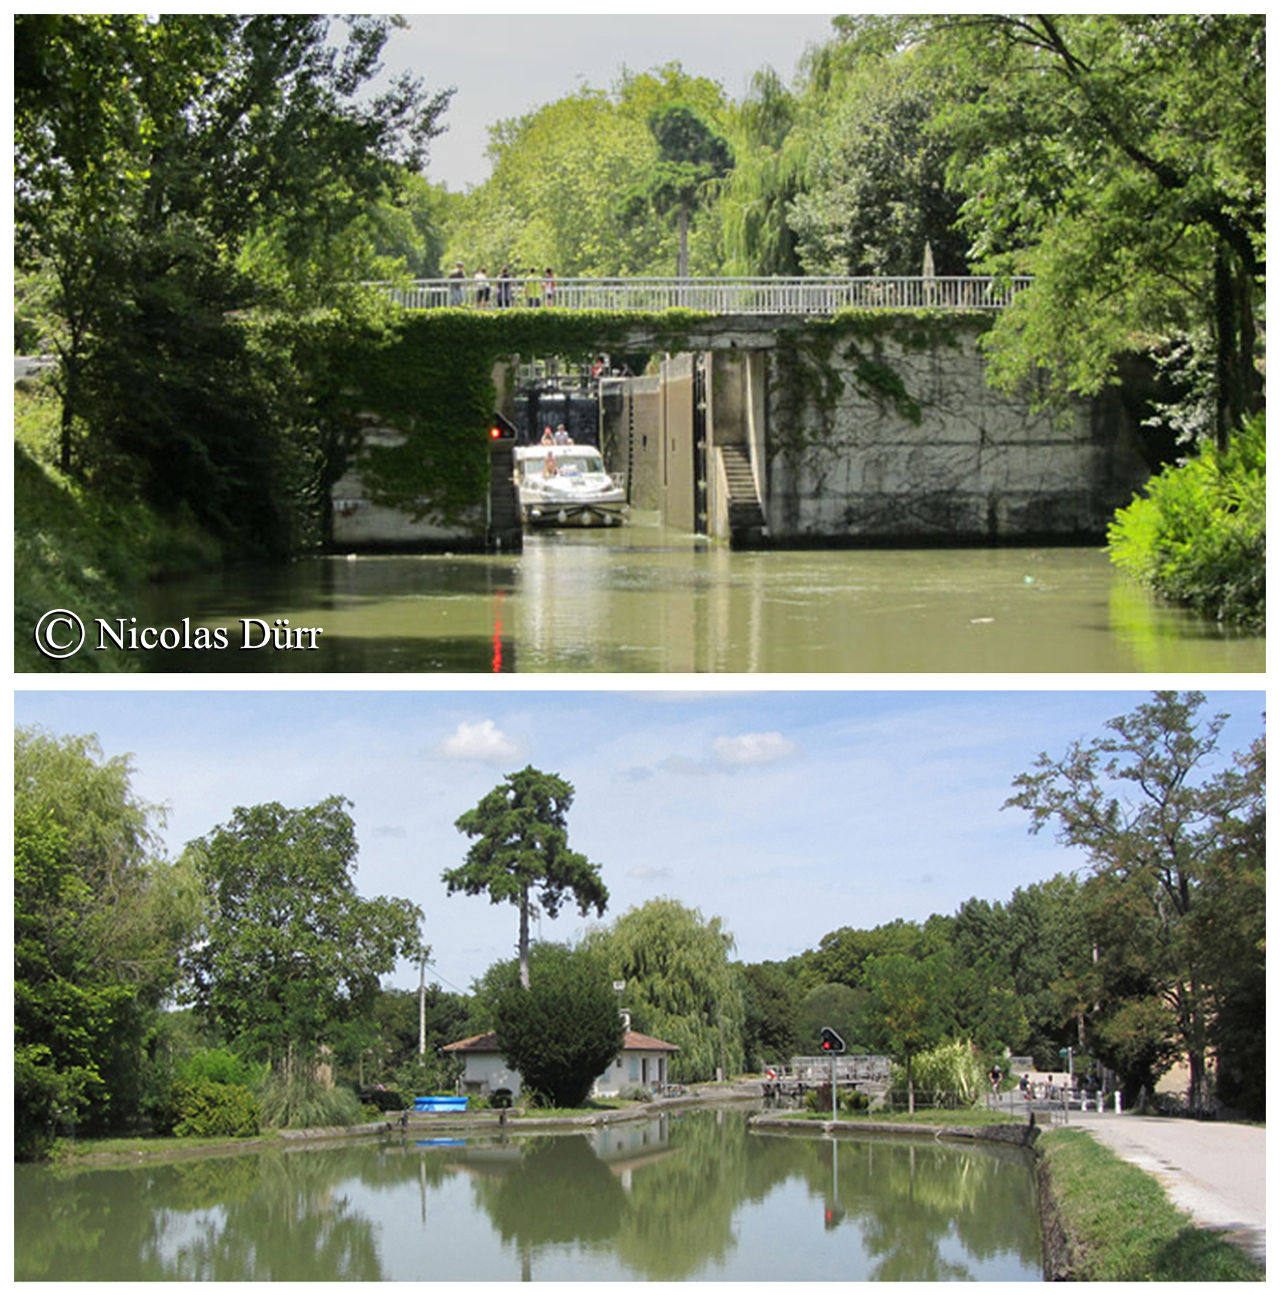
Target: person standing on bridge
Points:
(549, 286)
(456, 276)
(505, 288)
(532, 288)
(481, 279)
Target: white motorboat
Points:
(567, 485)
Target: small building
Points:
(642, 1063)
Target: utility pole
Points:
(422, 1008)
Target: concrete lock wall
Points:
(975, 465)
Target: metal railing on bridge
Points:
(799, 296)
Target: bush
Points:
(302, 1102)
(1199, 535)
(205, 1109)
(384, 1099)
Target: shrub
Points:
(1199, 534)
(301, 1101)
(947, 1075)
(205, 1109)
(384, 1099)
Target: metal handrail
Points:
(728, 296)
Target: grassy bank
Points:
(969, 1116)
(1120, 1225)
(75, 550)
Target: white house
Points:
(642, 1063)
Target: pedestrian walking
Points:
(456, 277)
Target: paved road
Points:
(1215, 1172)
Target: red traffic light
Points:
(831, 1041)
(495, 433)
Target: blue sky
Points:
(506, 65)
(787, 814)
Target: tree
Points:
(1121, 160)
(521, 853)
(680, 984)
(908, 1009)
(1162, 835)
(874, 191)
(692, 156)
(99, 920)
(172, 173)
(754, 203)
(836, 1005)
(291, 954)
(771, 1003)
(563, 1032)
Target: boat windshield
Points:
(566, 465)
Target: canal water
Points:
(690, 1197)
(645, 598)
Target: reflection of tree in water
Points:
(259, 1217)
(558, 1191)
(909, 1198)
(681, 1210)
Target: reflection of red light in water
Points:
(497, 630)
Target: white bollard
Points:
(1117, 1101)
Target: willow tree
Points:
(692, 158)
(521, 853)
(680, 984)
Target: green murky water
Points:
(693, 1197)
(648, 599)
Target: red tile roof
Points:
(488, 1042)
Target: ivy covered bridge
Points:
(772, 411)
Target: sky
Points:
(788, 814)
(506, 65)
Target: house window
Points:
(635, 1069)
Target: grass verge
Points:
(1121, 1226)
(967, 1116)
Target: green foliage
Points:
(680, 985)
(74, 548)
(553, 197)
(219, 1066)
(563, 1030)
(771, 1003)
(1198, 535)
(174, 172)
(836, 1006)
(1078, 142)
(98, 923)
(302, 1100)
(291, 954)
(1160, 826)
(521, 853)
(208, 1108)
(948, 1073)
(875, 191)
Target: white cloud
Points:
(482, 741)
(643, 872)
(753, 748)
